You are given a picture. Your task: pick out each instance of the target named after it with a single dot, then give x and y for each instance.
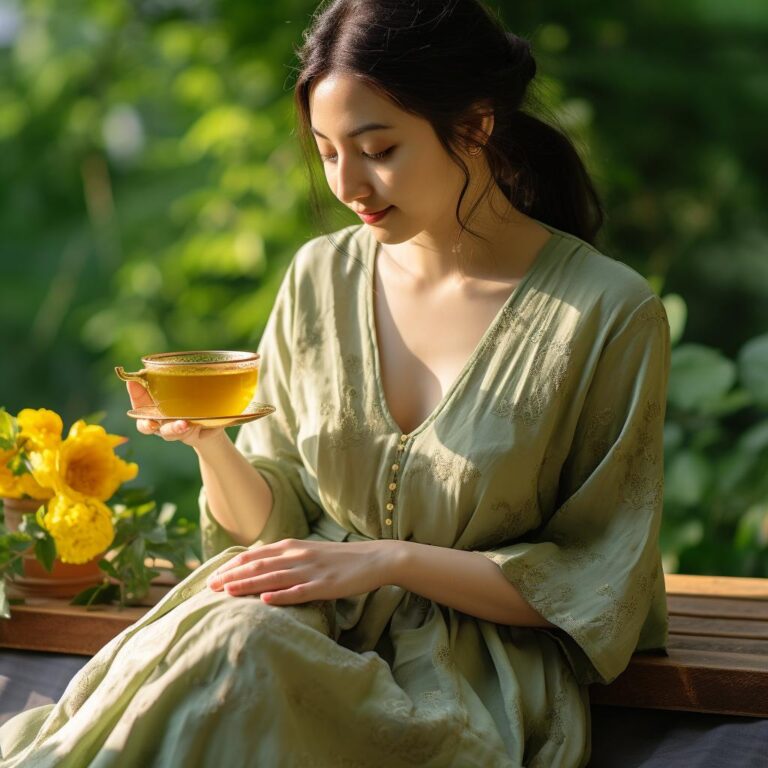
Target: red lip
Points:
(372, 218)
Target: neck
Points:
(444, 255)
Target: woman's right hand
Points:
(189, 434)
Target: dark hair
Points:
(446, 61)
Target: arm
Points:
(465, 581)
(238, 496)
(259, 483)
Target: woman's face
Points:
(401, 167)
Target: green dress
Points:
(545, 455)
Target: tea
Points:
(202, 393)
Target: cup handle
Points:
(137, 376)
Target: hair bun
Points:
(520, 57)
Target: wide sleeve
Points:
(593, 567)
(269, 443)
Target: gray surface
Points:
(621, 737)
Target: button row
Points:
(393, 485)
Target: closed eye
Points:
(377, 156)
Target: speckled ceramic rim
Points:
(200, 357)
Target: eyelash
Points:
(377, 156)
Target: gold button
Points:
(395, 467)
(392, 486)
(388, 521)
(401, 447)
(390, 506)
(403, 438)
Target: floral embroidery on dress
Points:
(549, 366)
(642, 486)
(310, 340)
(444, 465)
(653, 311)
(443, 657)
(356, 422)
(549, 730)
(510, 522)
(510, 319)
(595, 438)
(621, 612)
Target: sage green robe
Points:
(545, 456)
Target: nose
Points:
(351, 180)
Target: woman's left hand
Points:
(299, 570)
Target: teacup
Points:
(200, 383)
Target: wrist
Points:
(391, 555)
(213, 445)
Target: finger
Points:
(147, 426)
(173, 430)
(228, 574)
(299, 593)
(138, 394)
(279, 581)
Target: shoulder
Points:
(604, 288)
(322, 256)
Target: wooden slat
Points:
(717, 657)
(721, 644)
(699, 681)
(716, 586)
(711, 626)
(69, 629)
(48, 624)
(725, 607)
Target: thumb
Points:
(138, 394)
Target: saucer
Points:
(251, 413)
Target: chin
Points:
(391, 235)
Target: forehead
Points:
(340, 103)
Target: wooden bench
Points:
(717, 653)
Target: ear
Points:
(479, 124)
(486, 125)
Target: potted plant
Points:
(69, 528)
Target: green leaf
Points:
(157, 535)
(686, 478)
(699, 377)
(753, 368)
(108, 568)
(9, 430)
(752, 530)
(755, 439)
(95, 418)
(677, 314)
(99, 594)
(45, 552)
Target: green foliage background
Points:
(152, 193)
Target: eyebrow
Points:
(357, 131)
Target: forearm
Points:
(465, 581)
(239, 498)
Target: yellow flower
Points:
(82, 529)
(84, 465)
(9, 483)
(17, 486)
(29, 486)
(42, 428)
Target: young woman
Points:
(449, 527)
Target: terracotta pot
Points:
(65, 580)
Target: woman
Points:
(449, 527)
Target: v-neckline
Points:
(370, 262)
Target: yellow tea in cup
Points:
(201, 393)
(199, 384)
